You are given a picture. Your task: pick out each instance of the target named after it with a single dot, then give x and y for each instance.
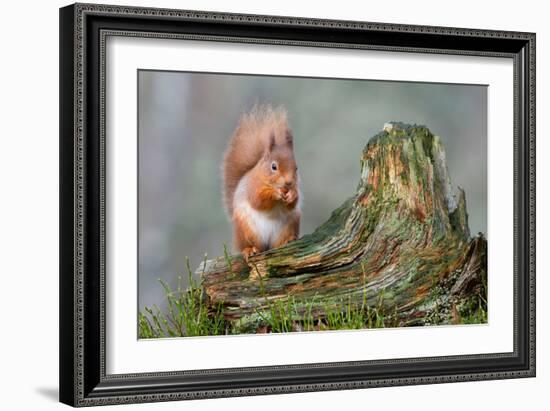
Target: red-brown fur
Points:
(261, 139)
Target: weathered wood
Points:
(402, 240)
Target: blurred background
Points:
(186, 119)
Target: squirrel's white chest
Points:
(266, 225)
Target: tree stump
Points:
(400, 243)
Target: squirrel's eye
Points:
(274, 166)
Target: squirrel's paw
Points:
(248, 251)
(290, 197)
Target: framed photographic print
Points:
(262, 204)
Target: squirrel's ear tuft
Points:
(289, 138)
(271, 141)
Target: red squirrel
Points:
(261, 179)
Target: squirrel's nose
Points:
(288, 184)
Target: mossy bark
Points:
(401, 241)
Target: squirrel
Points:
(260, 180)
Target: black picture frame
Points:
(83, 29)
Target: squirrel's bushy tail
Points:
(248, 144)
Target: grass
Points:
(187, 313)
